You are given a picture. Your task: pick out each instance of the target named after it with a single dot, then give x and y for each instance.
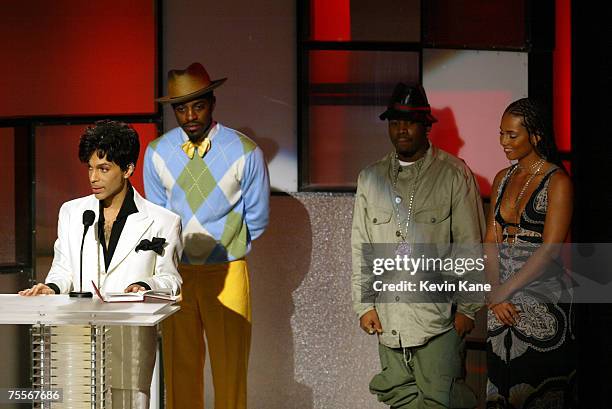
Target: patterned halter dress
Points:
(530, 365)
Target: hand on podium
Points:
(134, 288)
(38, 289)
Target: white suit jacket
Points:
(127, 266)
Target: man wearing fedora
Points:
(416, 195)
(216, 179)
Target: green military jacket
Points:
(447, 208)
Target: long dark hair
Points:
(537, 121)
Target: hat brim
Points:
(417, 116)
(184, 98)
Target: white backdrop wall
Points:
(468, 91)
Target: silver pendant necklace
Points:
(403, 247)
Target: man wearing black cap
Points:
(417, 194)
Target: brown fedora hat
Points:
(184, 85)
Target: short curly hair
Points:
(117, 140)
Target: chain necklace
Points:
(403, 248)
(534, 170)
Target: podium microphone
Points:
(88, 218)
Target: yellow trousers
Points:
(216, 303)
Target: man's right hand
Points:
(370, 323)
(38, 289)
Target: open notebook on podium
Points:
(161, 295)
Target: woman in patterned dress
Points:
(529, 327)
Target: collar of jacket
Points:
(427, 160)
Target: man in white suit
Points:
(134, 245)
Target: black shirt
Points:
(128, 207)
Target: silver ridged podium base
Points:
(76, 359)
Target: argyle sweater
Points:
(223, 198)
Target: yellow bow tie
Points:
(190, 148)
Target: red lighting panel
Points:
(562, 78)
(73, 57)
(7, 198)
(331, 20)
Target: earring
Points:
(130, 170)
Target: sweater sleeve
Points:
(255, 186)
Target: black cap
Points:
(409, 101)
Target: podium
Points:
(71, 344)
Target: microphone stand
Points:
(81, 293)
